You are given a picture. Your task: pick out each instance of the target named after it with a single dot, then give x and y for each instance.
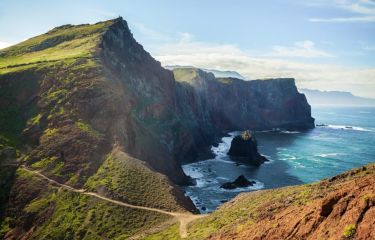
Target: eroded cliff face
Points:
(144, 121)
(235, 104)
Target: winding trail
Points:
(183, 217)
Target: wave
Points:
(222, 148)
(348, 127)
(327, 155)
(290, 132)
(192, 171)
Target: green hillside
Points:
(56, 99)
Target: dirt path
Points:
(183, 218)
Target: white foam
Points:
(192, 171)
(287, 156)
(290, 132)
(270, 160)
(348, 127)
(325, 155)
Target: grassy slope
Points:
(26, 64)
(129, 180)
(65, 42)
(60, 214)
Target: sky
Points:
(323, 44)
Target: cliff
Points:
(235, 104)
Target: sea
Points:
(344, 138)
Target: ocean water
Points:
(346, 141)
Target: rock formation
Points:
(244, 147)
(235, 104)
(240, 182)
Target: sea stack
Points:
(244, 148)
(240, 182)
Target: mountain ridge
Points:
(318, 97)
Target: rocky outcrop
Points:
(143, 110)
(244, 147)
(240, 182)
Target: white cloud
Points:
(346, 19)
(4, 44)
(360, 81)
(305, 49)
(364, 10)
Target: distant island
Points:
(317, 97)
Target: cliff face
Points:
(144, 121)
(235, 104)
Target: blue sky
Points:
(327, 45)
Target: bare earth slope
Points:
(342, 207)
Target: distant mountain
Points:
(225, 74)
(217, 73)
(317, 97)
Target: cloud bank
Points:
(362, 10)
(187, 52)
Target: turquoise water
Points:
(347, 141)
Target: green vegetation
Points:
(45, 162)
(54, 95)
(11, 125)
(170, 233)
(7, 175)
(88, 129)
(49, 132)
(35, 120)
(185, 74)
(369, 197)
(131, 181)
(349, 231)
(82, 217)
(225, 80)
(60, 67)
(60, 43)
(61, 214)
